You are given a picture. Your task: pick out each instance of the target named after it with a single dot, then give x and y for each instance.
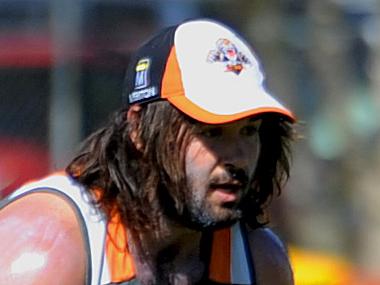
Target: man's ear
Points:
(133, 118)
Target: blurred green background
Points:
(61, 70)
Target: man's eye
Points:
(249, 130)
(212, 132)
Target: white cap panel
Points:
(219, 72)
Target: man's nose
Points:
(236, 173)
(233, 154)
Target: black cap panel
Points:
(146, 69)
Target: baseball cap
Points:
(204, 69)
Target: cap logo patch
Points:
(226, 52)
(142, 90)
(142, 75)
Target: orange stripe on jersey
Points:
(120, 260)
(220, 259)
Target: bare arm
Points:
(270, 258)
(41, 242)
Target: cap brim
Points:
(194, 111)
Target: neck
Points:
(171, 257)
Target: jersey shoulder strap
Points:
(93, 222)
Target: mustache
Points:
(233, 176)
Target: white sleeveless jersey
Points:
(93, 222)
(94, 225)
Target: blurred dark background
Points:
(62, 65)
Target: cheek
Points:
(198, 160)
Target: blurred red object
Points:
(20, 161)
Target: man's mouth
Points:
(227, 192)
(227, 186)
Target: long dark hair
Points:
(273, 168)
(140, 184)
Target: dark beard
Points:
(199, 215)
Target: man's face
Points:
(220, 162)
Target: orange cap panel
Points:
(171, 84)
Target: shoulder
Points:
(270, 257)
(41, 242)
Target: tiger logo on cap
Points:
(227, 53)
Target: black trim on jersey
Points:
(205, 253)
(205, 249)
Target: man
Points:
(173, 190)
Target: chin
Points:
(211, 218)
(226, 217)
